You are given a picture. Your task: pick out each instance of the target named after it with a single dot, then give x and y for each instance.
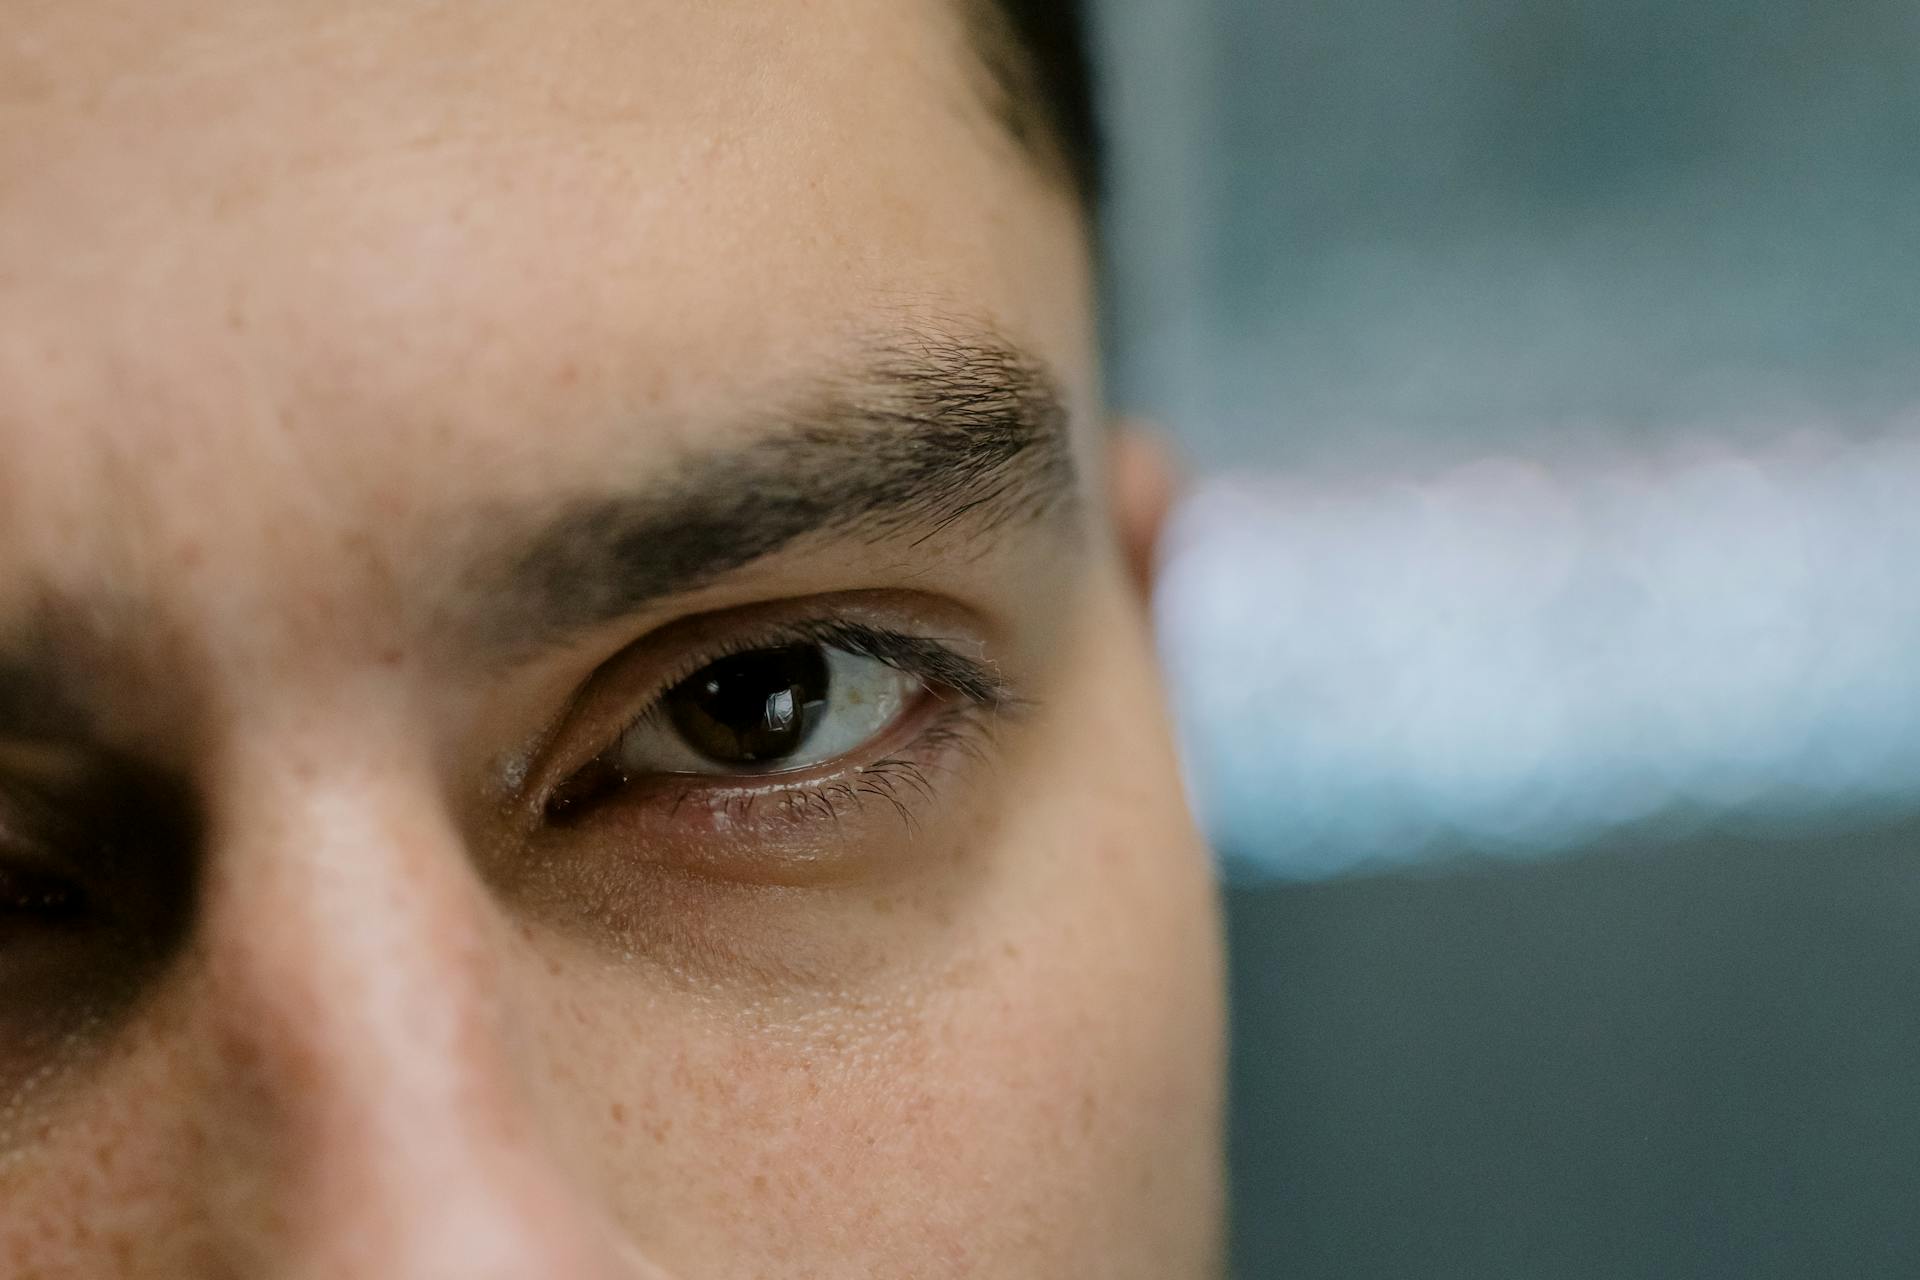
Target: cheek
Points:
(101, 1179)
(1043, 1103)
(1115, 1007)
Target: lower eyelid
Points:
(767, 828)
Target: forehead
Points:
(331, 252)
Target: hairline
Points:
(1015, 87)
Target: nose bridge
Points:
(366, 1113)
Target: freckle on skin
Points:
(618, 1111)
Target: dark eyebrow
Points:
(44, 651)
(929, 432)
(55, 661)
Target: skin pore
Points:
(403, 407)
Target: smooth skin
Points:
(301, 305)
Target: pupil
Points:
(752, 708)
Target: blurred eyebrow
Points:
(52, 666)
(930, 433)
(46, 655)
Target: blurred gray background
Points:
(1357, 224)
(1379, 234)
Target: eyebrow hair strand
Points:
(933, 431)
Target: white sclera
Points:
(864, 698)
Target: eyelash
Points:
(974, 693)
(935, 661)
(896, 779)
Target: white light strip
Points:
(1515, 657)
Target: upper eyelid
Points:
(934, 659)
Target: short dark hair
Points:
(1037, 53)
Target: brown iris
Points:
(753, 708)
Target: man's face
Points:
(570, 704)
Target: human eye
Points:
(32, 895)
(775, 709)
(38, 890)
(50, 922)
(95, 891)
(728, 747)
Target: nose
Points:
(369, 1112)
